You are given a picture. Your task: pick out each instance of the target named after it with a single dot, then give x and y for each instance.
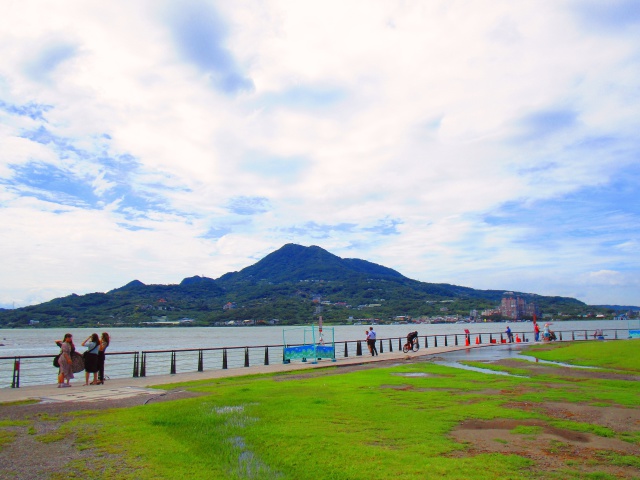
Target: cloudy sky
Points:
(490, 144)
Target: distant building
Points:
(516, 307)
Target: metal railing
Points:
(37, 369)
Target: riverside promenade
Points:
(141, 386)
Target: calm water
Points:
(22, 342)
(38, 371)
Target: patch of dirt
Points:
(551, 448)
(617, 418)
(28, 457)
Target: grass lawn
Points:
(379, 423)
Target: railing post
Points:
(246, 356)
(480, 338)
(524, 338)
(346, 349)
(224, 358)
(136, 364)
(573, 335)
(616, 333)
(143, 365)
(399, 344)
(358, 349)
(173, 362)
(435, 341)
(266, 355)
(15, 382)
(446, 344)
(490, 338)
(381, 348)
(560, 335)
(455, 339)
(501, 339)
(390, 346)
(200, 361)
(585, 335)
(426, 342)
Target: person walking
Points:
(104, 343)
(66, 369)
(371, 340)
(91, 358)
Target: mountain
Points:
(295, 263)
(293, 284)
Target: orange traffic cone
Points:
(478, 340)
(518, 338)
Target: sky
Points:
(491, 144)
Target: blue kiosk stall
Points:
(305, 343)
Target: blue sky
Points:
(489, 144)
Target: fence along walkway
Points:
(38, 369)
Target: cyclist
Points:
(410, 339)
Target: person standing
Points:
(536, 331)
(366, 333)
(104, 343)
(91, 358)
(509, 334)
(66, 370)
(371, 340)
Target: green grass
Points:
(620, 354)
(369, 424)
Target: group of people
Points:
(547, 333)
(93, 358)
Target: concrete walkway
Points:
(128, 387)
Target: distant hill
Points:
(293, 284)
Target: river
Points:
(33, 341)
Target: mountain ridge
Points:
(292, 284)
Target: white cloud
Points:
(433, 114)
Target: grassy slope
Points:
(347, 426)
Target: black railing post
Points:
(358, 349)
(490, 338)
(399, 344)
(173, 362)
(426, 342)
(224, 358)
(390, 346)
(435, 341)
(573, 335)
(455, 340)
(480, 338)
(346, 349)
(616, 334)
(381, 348)
(266, 355)
(585, 335)
(560, 335)
(15, 382)
(136, 364)
(200, 361)
(246, 356)
(446, 344)
(143, 365)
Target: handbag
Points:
(56, 361)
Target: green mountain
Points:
(294, 284)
